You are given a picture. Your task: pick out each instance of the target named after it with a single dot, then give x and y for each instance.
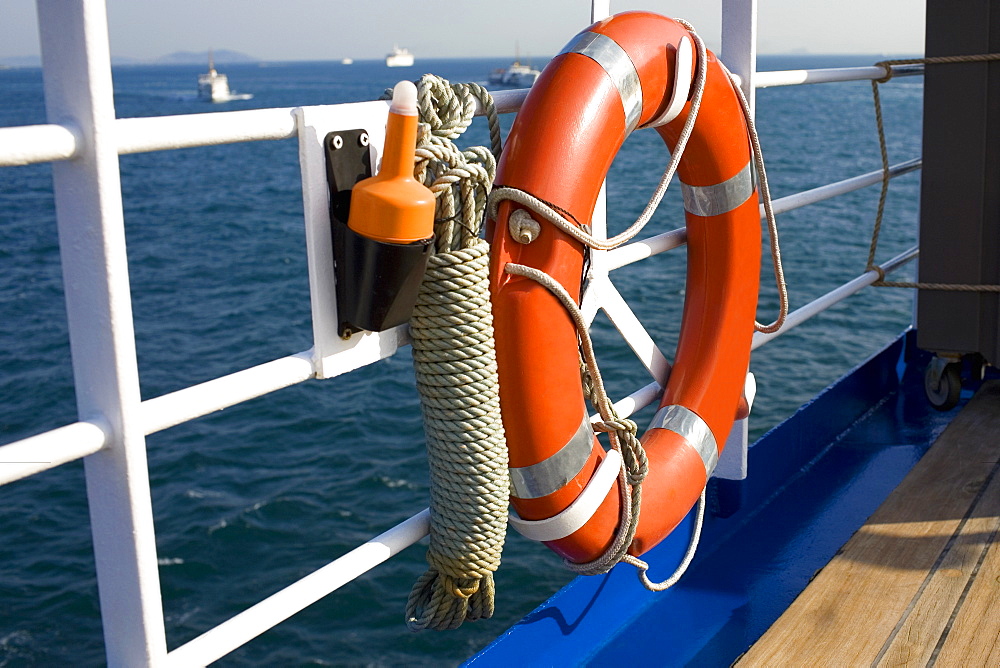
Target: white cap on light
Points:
(404, 99)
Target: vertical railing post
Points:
(739, 42)
(739, 53)
(599, 9)
(78, 93)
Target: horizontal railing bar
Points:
(29, 144)
(45, 143)
(786, 204)
(797, 317)
(506, 101)
(652, 392)
(159, 133)
(50, 449)
(192, 402)
(634, 402)
(640, 250)
(59, 446)
(830, 74)
(247, 625)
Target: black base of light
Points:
(377, 282)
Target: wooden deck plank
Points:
(859, 605)
(915, 641)
(974, 638)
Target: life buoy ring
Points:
(618, 75)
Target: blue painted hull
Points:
(814, 479)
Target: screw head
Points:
(337, 142)
(363, 139)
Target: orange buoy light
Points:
(380, 254)
(392, 206)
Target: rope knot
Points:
(523, 227)
(466, 589)
(887, 67)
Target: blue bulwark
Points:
(814, 479)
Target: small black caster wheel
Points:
(943, 384)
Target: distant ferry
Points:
(346, 61)
(516, 76)
(212, 86)
(399, 58)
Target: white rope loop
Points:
(678, 573)
(772, 225)
(548, 213)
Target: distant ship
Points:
(346, 61)
(399, 58)
(516, 75)
(212, 86)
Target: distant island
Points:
(222, 57)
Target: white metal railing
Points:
(78, 93)
(113, 419)
(48, 143)
(30, 144)
(828, 75)
(192, 402)
(281, 605)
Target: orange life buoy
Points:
(616, 76)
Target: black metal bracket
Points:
(377, 282)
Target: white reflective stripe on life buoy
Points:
(551, 474)
(578, 512)
(607, 53)
(696, 433)
(715, 200)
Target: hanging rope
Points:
(772, 223)
(622, 432)
(685, 560)
(455, 366)
(558, 218)
(887, 65)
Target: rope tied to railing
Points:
(888, 65)
(455, 365)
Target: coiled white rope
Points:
(455, 365)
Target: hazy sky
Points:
(332, 29)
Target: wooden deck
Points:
(919, 584)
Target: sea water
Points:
(251, 498)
